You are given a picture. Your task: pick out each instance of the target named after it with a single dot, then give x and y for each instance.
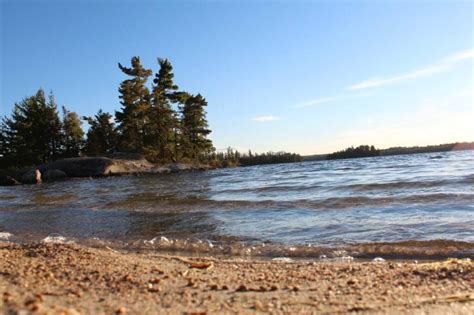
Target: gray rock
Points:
(179, 167)
(82, 166)
(103, 166)
(50, 175)
(31, 177)
(8, 181)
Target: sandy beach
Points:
(72, 279)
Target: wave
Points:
(407, 184)
(171, 202)
(231, 246)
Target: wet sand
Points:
(72, 279)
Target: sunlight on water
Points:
(422, 197)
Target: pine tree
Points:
(102, 135)
(32, 135)
(135, 100)
(53, 126)
(73, 135)
(161, 141)
(195, 127)
(5, 155)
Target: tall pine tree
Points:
(73, 135)
(135, 99)
(163, 126)
(195, 128)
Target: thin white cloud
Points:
(433, 122)
(445, 64)
(265, 118)
(466, 54)
(428, 71)
(331, 99)
(316, 102)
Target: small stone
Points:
(7, 297)
(154, 289)
(34, 307)
(8, 181)
(31, 177)
(351, 281)
(51, 175)
(39, 297)
(121, 310)
(155, 280)
(259, 306)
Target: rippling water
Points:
(397, 206)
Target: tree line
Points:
(367, 151)
(235, 158)
(457, 146)
(351, 152)
(157, 120)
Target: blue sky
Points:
(301, 76)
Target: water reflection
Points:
(328, 202)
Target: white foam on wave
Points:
(5, 236)
(54, 239)
(158, 239)
(283, 259)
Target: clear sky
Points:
(307, 77)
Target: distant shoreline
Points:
(129, 165)
(457, 146)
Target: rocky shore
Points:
(92, 167)
(71, 279)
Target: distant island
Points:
(159, 121)
(370, 151)
(157, 124)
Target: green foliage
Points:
(269, 158)
(5, 148)
(349, 153)
(457, 146)
(133, 117)
(232, 158)
(32, 135)
(195, 128)
(165, 124)
(102, 135)
(73, 135)
(150, 123)
(163, 128)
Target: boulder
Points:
(81, 166)
(8, 181)
(31, 177)
(179, 167)
(104, 166)
(98, 166)
(50, 175)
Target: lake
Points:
(419, 205)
